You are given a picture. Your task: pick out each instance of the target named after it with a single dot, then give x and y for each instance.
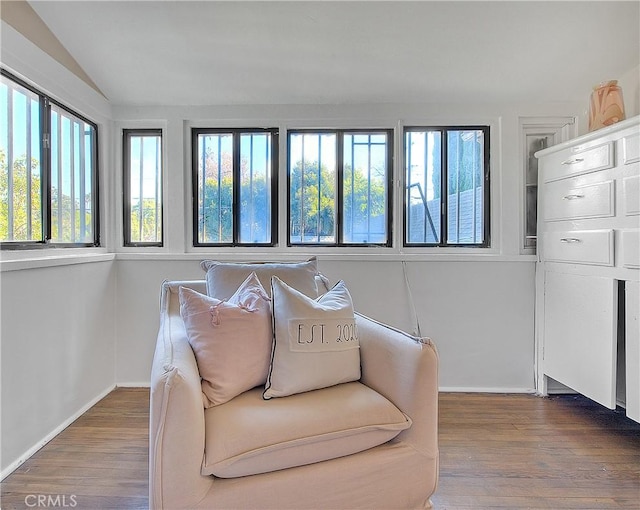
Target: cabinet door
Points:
(580, 334)
(632, 354)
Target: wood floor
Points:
(504, 452)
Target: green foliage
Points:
(312, 201)
(215, 218)
(66, 221)
(18, 230)
(216, 214)
(151, 230)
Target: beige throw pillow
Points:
(223, 278)
(230, 339)
(315, 341)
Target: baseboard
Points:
(476, 389)
(133, 385)
(31, 451)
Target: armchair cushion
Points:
(315, 343)
(249, 435)
(231, 339)
(223, 278)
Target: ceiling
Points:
(336, 52)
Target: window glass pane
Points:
(365, 188)
(20, 168)
(72, 174)
(312, 188)
(255, 188)
(423, 168)
(465, 169)
(215, 188)
(144, 165)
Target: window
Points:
(340, 187)
(447, 186)
(234, 186)
(48, 171)
(142, 187)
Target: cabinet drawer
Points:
(631, 189)
(630, 248)
(575, 161)
(564, 200)
(579, 246)
(631, 149)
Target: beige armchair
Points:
(400, 473)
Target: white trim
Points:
(594, 136)
(51, 435)
(117, 183)
(473, 389)
(43, 259)
(133, 385)
(291, 254)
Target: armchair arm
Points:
(404, 369)
(176, 425)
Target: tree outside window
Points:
(339, 187)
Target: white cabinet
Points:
(588, 273)
(632, 329)
(577, 332)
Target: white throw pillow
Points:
(315, 341)
(231, 339)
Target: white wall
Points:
(57, 306)
(480, 314)
(630, 84)
(477, 304)
(58, 352)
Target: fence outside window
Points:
(447, 186)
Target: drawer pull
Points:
(572, 196)
(570, 240)
(573, 161)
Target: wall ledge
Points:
(66, 259)
(53, 260)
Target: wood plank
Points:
(101, 459)
(520, 451)
(496, 452)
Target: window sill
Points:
(33, 259)
(303, 254)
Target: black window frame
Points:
(339, 199)
(126, 189)
(236, 134)
(444, 183)
(45, 176)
